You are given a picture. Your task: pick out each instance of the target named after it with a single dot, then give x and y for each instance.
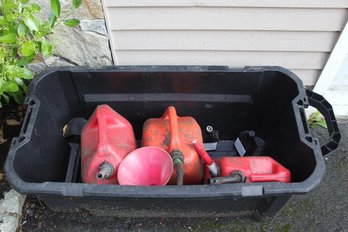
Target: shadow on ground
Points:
(323, 209)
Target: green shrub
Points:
(23, 41)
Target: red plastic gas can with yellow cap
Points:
(173, 133)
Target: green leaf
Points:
(7, 99)
(8, 6)
(3, 21)
(77, 3)
(31, 23)
(19, 81)
(316, 119)
(24, 1)
(322, 123)
(10, 29)
(25, 60)
(52, 19)
(55, 7)
(25, 88)
(18, 97)
(22, 29)
(32, 8)
(72, 22)
(8, 38)
(28, 48)
(11, 17)
(27, 74)
(46, 49)
(45, 29)
(12, 87)
(2, 87)
(20, 8)
(35, 7)
(316, 114)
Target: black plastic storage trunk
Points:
(268, 100)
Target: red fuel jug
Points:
(254, 169)
(175, 135)
(105, 140)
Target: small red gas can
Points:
(173, 133)
(105, 140)
(255, 168)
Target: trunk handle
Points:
(325, 108)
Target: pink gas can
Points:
(105, 140)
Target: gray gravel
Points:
(323, 209)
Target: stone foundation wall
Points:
(86, 45)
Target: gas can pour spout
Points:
(178, 160)
(206, 157)
(105, 171)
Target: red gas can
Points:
(175, 135)
(255, 168)
(105, 140)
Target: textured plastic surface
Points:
(172, 132)
(107, 137)
(325, 108)
(268, 100)
(255, 169)
(146, 166)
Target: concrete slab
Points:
(11, 210)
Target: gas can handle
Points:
(101, 120)
(325, 108)
(173, 127)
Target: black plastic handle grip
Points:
(325, 108)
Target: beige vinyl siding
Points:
(293, 41)
(298, 35)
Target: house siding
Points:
(298, 35)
